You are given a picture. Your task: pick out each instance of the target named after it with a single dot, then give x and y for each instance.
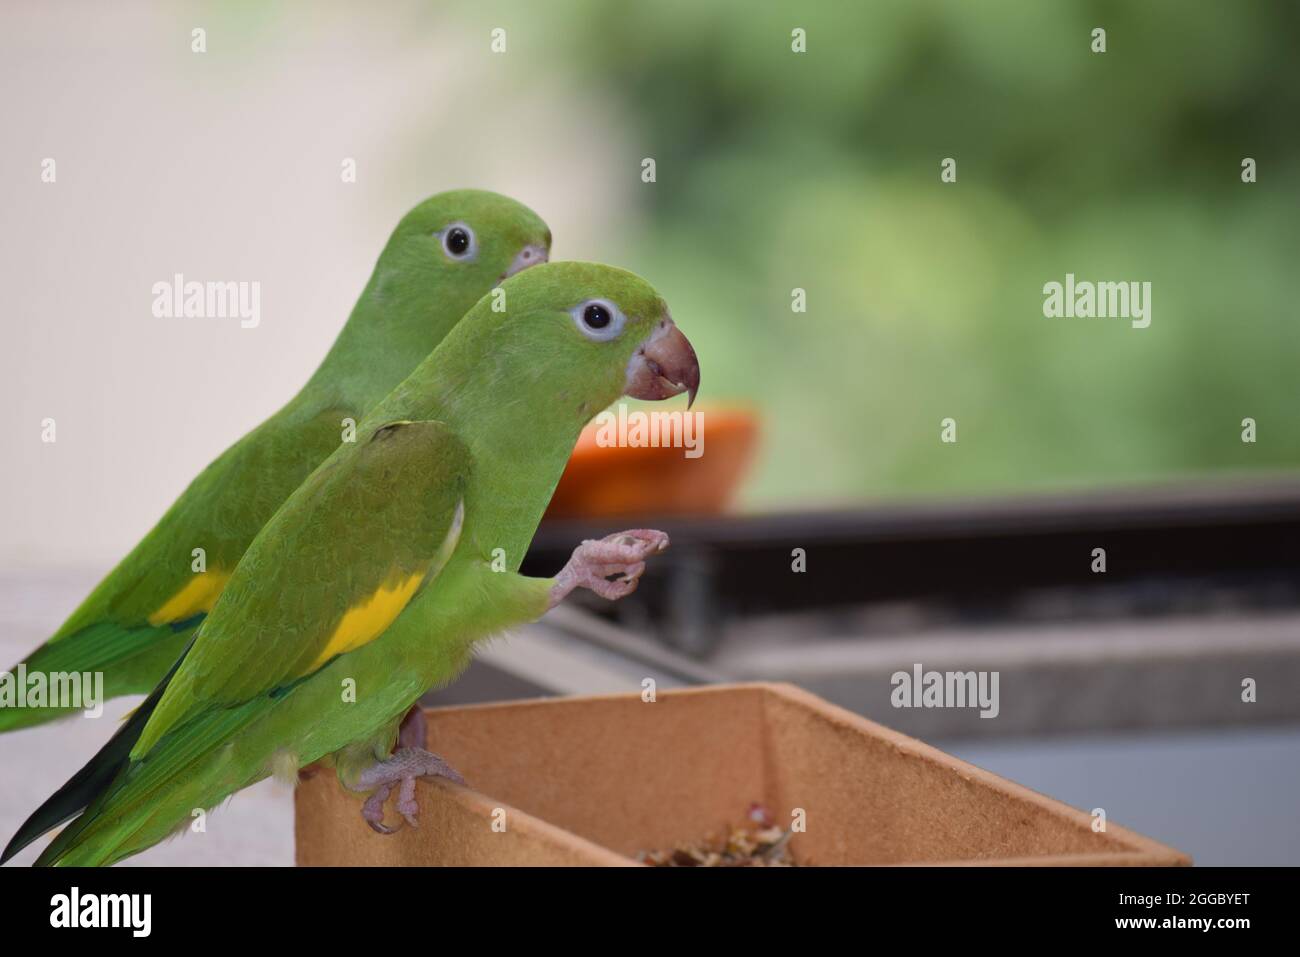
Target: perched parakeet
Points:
(375, 579)
(442, 257)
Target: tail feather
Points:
(94, 779)
(150, 799)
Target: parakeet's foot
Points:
(406, 765)
(593, 562)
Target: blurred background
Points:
(774, 171)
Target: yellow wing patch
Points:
(364, 622)
(199, 594)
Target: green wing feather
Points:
(350, 548)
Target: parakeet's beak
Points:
(664, 366)
(530, 255)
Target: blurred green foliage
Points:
(821, 170)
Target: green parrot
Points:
(375, 579)
(442, 257)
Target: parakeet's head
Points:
(570, 338)
(601, 333)
(465, 237)
(442, 258)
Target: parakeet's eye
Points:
(458, 242)
(598, 319)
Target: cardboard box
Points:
(596, 780)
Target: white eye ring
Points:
(454, 235)
(598, 319)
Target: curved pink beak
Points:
(664, 366)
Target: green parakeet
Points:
(442, 257)
(375, 579)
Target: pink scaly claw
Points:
(409, 762)
(402, 769)
(593, 562)
(372, 812)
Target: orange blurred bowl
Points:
(603, 480)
